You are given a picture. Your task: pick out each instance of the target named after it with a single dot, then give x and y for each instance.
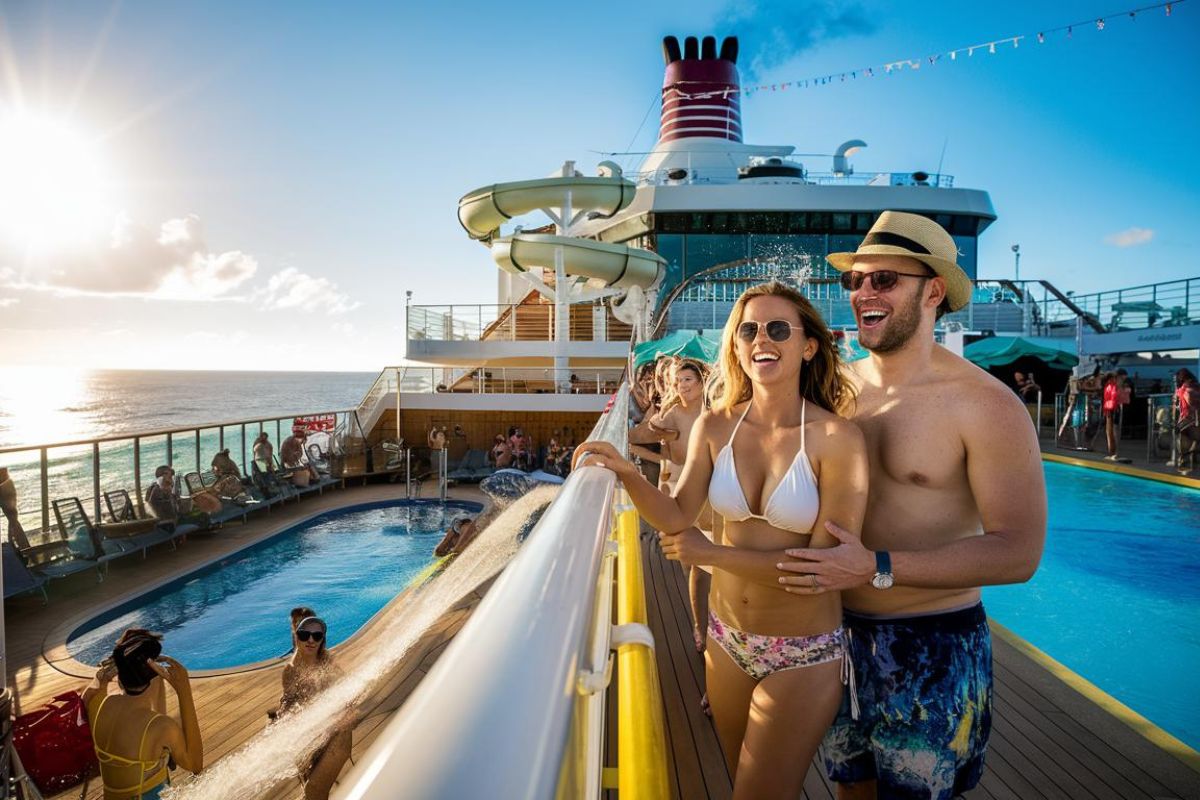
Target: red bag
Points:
(55, 744)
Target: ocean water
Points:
(42, 407)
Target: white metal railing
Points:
(86, 468)
(590, 322)
(519, 687)
(509, 380)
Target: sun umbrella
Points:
(997, 351)
(685, 344)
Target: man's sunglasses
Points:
(881, 281)
(316, 636)
(778, 330)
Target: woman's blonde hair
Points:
(822, 380)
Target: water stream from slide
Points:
(276, 754)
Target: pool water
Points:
(345, 564)
(1116, 596)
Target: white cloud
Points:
(5, 302)
(293, 289)
(172, 262)
(1130, 237)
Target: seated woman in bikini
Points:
(773, 441)
(135, 739)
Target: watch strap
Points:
(883, 562)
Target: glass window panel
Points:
(704, 251)
(841, 222)
(670, 247)
(967, 252)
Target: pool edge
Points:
(1123, 469)
(1148, 730)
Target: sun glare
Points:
(55, 190)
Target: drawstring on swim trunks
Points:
(848, 673)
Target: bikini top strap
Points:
(142, 744)
(803, 409)
(739, 423)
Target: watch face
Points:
(882, 580)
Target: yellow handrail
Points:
(641, 732)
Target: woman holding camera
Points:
(136, 741)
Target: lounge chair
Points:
(113, 540)
(317, 458)
(121, 509)
(50, 559)
(473, 467)
(269, 484)
(197, 482)
(18, 578)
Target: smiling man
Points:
(957, 501)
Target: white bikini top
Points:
(794, 504)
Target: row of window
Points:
(793, 222)
(690, 254)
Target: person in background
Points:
(501, 454)
(166, 504)
(1116, 395)
(1026, 386)
(229, 478)
(462, 532)
(437, 448)
(136, 740)
(1187, 409)
(291, 453)
(308, 673)
(264, 452)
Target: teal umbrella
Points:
(685, 344)
(997, 351)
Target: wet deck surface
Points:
(1048, 740)
(231, 708)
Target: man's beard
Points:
(900, 326)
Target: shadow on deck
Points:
(1048, 741)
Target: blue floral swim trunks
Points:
(924, 687)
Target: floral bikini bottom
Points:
(759, 655)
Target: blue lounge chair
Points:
(18, 578)
(473, 467)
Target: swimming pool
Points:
(346, 564)
(1116, 595)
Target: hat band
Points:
(895, 240)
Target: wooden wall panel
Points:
(481, 427)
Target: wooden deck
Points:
(232, 708)
(1048, 741)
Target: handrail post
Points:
(45, 481)
(96, 482)
(170, 451)
(1039, 415)
(137, 473)
(245, 471)
(197, 449)
(408, 473)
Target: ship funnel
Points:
(700, 90)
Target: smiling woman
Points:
(56, 190)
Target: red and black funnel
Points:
(700, 95)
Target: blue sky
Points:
(306, 159)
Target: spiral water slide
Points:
(619, 266)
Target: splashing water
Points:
(277, 753)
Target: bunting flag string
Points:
(1013, 42)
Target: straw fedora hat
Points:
(896, 233)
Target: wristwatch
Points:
(883, 570)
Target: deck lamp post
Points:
(1016, 248)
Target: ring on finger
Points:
(814, 581)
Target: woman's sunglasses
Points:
(881, 281)
(778, 330)
(316, 636)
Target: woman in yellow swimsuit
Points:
(135, 740)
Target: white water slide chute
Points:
(584, 269)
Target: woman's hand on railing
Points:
(602, 454)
